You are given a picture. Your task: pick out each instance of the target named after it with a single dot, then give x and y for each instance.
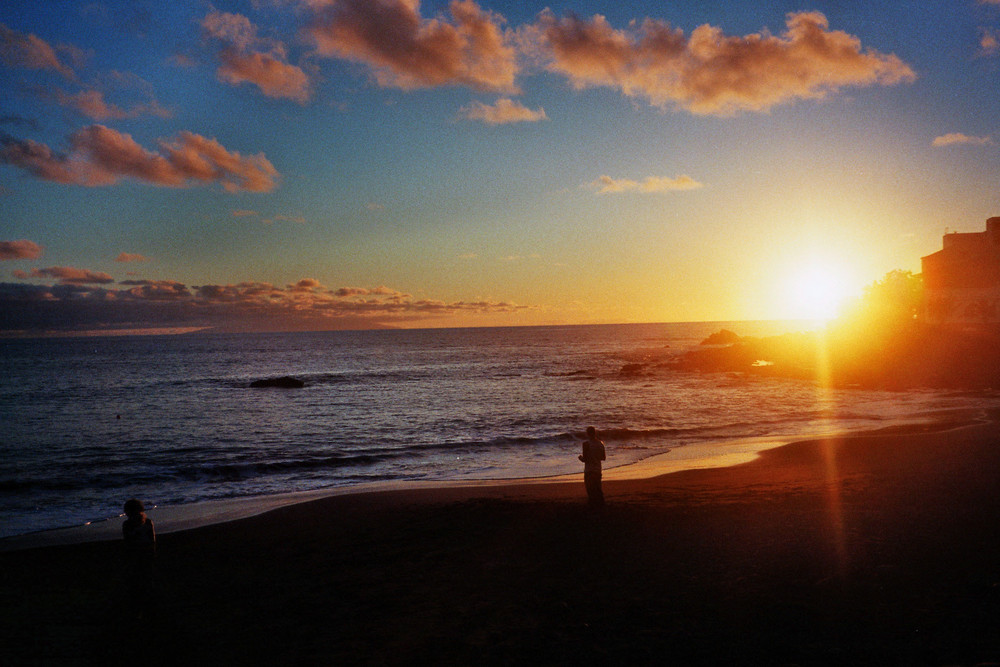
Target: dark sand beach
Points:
(877, 550)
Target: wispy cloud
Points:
(504, 111)
(102, 156)
(182, 60)
(248, 58)
(380, 291)
(18, 49)
(92, 104)
(957, 138)
(68, 275)
(285, 218)
(709, 72)
(19, 121)
(408, 51)
(606, 185)
(128, 257)
(989, 42)
(22, 249)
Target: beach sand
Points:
(878, 550)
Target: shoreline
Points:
(699, 456)
(175, 518)
(874, 549)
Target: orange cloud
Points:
(157, 290)
(22, 249)
(607, 185)
(130, 257)
(709, 72)
(235, 29)
(103, 156)
(504, 111)
(306, 286)
(989, 42)
(68, 275)
(18, 49)
(91, 103)
(407, 51)
(244, 62)
(957, 138)
(274, 78)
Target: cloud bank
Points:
(81, 300)
(709, 72)
(102, 156)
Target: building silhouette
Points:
(962, 280)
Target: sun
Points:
(817, 290)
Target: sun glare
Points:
(817, 291)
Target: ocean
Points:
(89, 422)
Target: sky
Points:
(348, 164)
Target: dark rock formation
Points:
(285, 382)
(722, 337)
(894, 358)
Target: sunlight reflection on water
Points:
(384, 405)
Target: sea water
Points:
(90, 422)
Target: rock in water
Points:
(282, 382)
(721, 337)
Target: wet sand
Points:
(879, 550)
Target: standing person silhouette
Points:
(140, 550)
(593, 454)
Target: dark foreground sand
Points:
(879, 550)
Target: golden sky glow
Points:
(318, 164)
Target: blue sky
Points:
(283, 164)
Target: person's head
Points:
(134, 508)
(591, 432)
